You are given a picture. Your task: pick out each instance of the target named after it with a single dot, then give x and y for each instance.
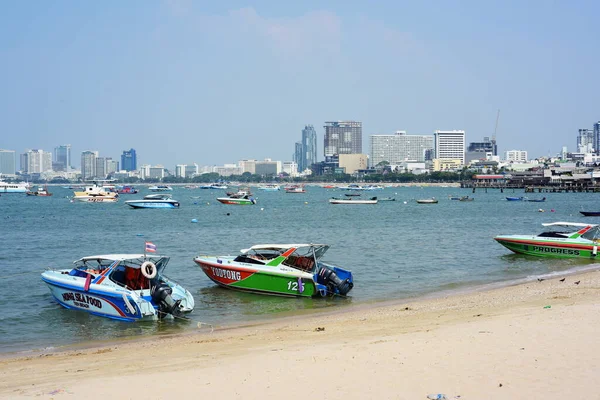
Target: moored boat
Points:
(242, 197)
(160, 200)
(126, 189)
(95, 194)
(219, 186)
(127, 287)
(432, 200)
(41, 191)
(559, 240)
(590, 213)
(295, 189)
(160, 188)
(515, 198)
(372, 200)
(14, 187)
(543, 199)
(280, 269)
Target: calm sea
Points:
(396, 250)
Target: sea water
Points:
(395, 249)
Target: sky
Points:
(185, 81)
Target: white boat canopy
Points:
(575, 224)
(281, 246)
(119, 257)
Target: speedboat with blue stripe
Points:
(127, 287)
(154, 201)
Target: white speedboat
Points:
(372, 200)
(160, 188)
(14, 187)
(214, 186)
(126, 287)
(96, 194)
(161, 200)
(269, 187)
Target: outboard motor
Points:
(161, 294)
(329, 277)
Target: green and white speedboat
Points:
(279, 269)
(560, 240)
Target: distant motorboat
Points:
(161, 200)
(372, 200)
(590, 213)
(41, 191)
(17, 187)
(543, 199)
(160, 188)
(515, 198)
(432, 200)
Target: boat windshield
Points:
(304, 258)
(592, 234)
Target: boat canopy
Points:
(281, 247)
(574, 224)
(131, 260)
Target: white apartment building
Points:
(516, 156)
(36, 162)
(399, 148)
(450, 145)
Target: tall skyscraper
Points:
(400, 147)
(342, 137)
(450, 145)
(129, 160)
(309, 147)
(36, 161)
(298, 155)
(8, 162)
(585, 141)
(597, 137)
(88, 164)
(62, 157)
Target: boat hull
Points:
(96, 199)
(240, 202)
(96, 302)
(247, 278)
(590, 213)
(350, 201)
(150, 204)
(558, 248)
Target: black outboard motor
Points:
(161, 294)
(329, 277)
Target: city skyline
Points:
(190, 81)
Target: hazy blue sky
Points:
(215, 82)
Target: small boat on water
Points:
(270, 187)
(559, 240)
(515, 198)
(126, 189)
(160, 188)
(41, 191)
(543, 199)
(159, 200)
(590, 213)
(466, 198)
(96, 194)
(219, 186)
(432, 200)
(386, 199)
(127, 287)
(280, 269)
(372, 200)
(14, 187)
(242, 197)
(294, 189)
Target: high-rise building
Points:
(400, 147)
(62, 158)
(480, 150)
(596, 138)
(129, 160)
(298, 155)
(450, 145)
(516, 155)
(309, 147)
(8, 162)
(88, 164)
(585, 141)
(36, 161)
(342, 137)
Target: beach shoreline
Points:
(529, 340)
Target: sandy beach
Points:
(531, 341)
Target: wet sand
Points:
(531, 341)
